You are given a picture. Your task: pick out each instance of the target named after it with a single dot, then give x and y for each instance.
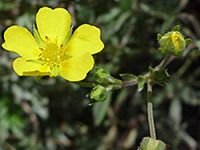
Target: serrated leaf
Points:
(161, 77)
(128, 77)
(176, 28)
(140, 86)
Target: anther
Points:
(47, 37)
(61, 45)
(41, 48)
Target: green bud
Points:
(104, 77)
(98, 93)
(172, 43)
(151, 144)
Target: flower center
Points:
(52, 55)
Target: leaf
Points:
(100, 110)
(140, 86)
(161, 77)
(130, 139)
(175, 112)
(128, 77)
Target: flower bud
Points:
(151, 144)
(172, 43)
(98, 93)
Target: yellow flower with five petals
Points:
(54, 51)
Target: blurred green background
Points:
(53, 114)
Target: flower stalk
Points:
(164, 62)
(150, 110)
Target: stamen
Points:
(47, 37)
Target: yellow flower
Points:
(54, 51)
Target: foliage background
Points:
(54, 114)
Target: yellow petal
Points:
(24, 68)
(86, 38)
(53, 23)
(20, 40)
(77, 67)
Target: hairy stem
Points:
(150, 110)
(165, 62)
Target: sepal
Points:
(151, 144)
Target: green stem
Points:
(164, 63)
(150, 110)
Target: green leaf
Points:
(128, 77)
(140, 86)
(100, 110)
(176, 28)
(188, 41)
(175, 112)
(161, 77)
